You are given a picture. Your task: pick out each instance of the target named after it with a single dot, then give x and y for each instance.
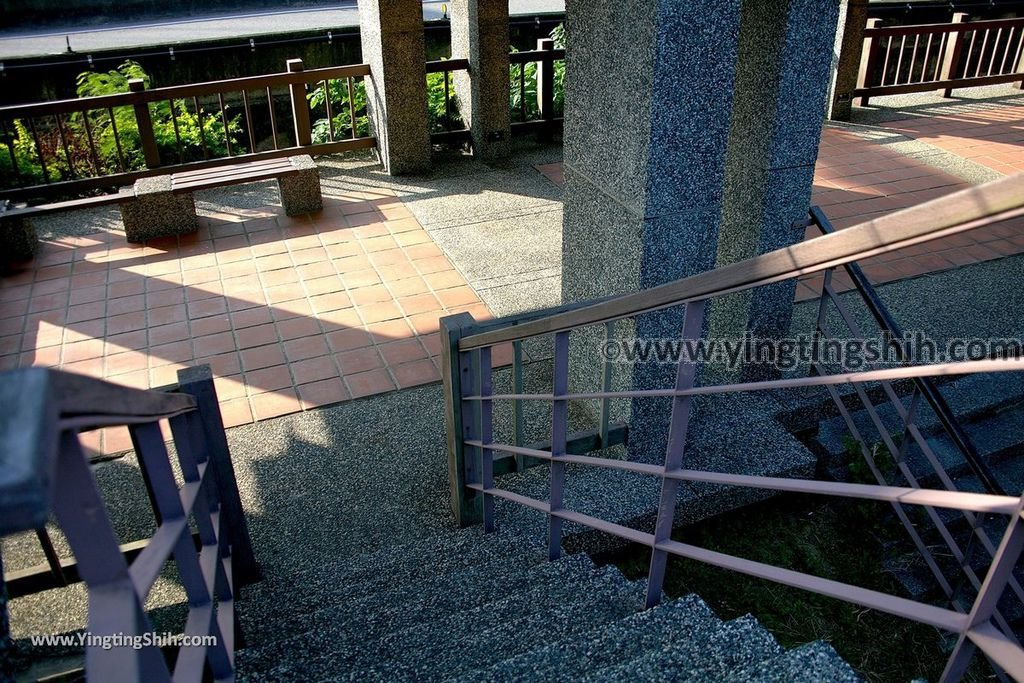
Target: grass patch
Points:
(837, 540)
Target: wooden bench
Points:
(164, 205)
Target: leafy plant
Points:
(340, 110)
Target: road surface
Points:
(37, 42)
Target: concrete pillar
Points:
(782, 80)
(480, 34)
(393, 46)
(849, 44)
(690, 136)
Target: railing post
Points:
(457, 378)
(999, 574)
(546, 88)
(849, 46)
(198, 382)
(868, 61)
(145, 125)
(686, 376)
(952, 53)
(300, 107)
(1020, 62)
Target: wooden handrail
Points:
(181, 91)
(925, 29)
(965, 210)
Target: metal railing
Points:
(534, 107)
(923, 396)
(962, 54)
(77, 145)
(44, 471)
(470, 403)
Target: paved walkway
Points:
(291, 314)
(294, 314)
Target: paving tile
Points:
(268, 379)
(403, 351)
(415, 373)
(294, 328)
(391, 330)
(380, 312)
(329, 302)
(222, 364)
(369, 383)
(322, 393)
(251, 317)
(262, 357)
(164, 334)
(422, 303)
(306, 347)
(348, 339)
(275, 404)
(313, 369)
(258, 335)
(235, 412)
(359, 360)
(408, 286)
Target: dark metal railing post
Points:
(546, 88)
(145, 125)
(457, 378)
(559, 429)
(954, 49)
(198, 382)
(686, 375)
(300, 107)
(485, 430)
(868, 60)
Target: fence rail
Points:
(961, 54)
(446, 123)
(44, 470)
(90, 143)
(533, 102)
(470, 403)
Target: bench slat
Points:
(69, 205)
(237, 178)
(254, 166)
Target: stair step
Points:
(816, 661)
(572, 659)
(342, 581)
(461, 641)
(726, 653)
(367, 616)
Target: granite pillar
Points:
(849, 44)
(690, 135)
(782, 79)
(480, 34)
(392, 42)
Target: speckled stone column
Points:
(660, 174)
(782, 82)
(300, 193)
(393, 46)
(849, 43)
(18, 241)
(480, 34)
(152, 210)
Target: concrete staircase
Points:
(468, 607)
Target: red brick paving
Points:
(292, 314)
